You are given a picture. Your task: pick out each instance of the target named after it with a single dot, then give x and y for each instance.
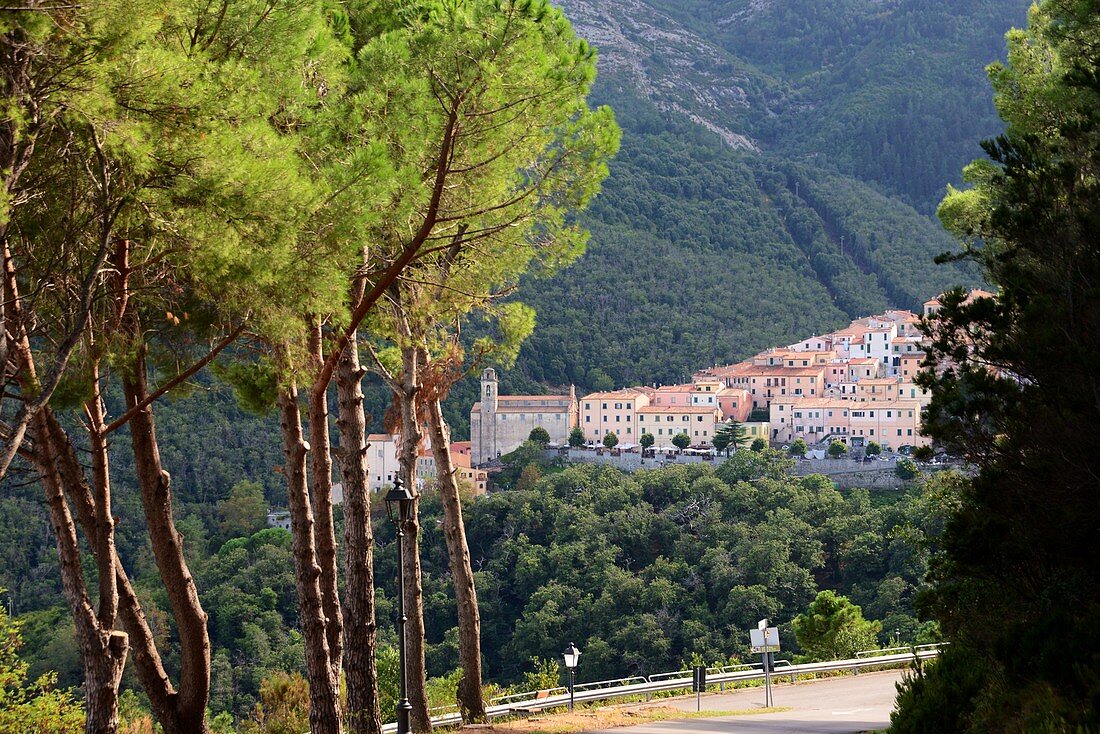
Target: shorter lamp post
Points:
(401, 499)
(571, 655)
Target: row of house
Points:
(382, 451)
(854, 385)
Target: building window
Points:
(588, 419)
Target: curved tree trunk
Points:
(360, 625)
(102, 650)
(167, 544)
(324, 686)
(150, 670)
(414, 592)
(470, 699)
(325, 535)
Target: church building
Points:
(500, 423)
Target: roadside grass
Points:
(608, 717)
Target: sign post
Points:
(765, 640)
(699, 683)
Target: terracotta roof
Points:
(532, 399)
(816, 402)
(626, 393)
(677, 409)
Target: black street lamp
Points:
(401, 499)
(572, 655)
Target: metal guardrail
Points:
(680, 679)
(904, 648)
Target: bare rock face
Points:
(668, 64)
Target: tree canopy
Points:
(1009, 380)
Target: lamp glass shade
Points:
(401, 499)
(572, 655)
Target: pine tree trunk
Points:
(102, 651)
(360, 625)
(167, 545)
(143, 650)
(324, 688)
(325, 534)
(420, 717)
(470, 699)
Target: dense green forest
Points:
(645, 572)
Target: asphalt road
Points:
(830, 706)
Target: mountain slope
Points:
(779, 167)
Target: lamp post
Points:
(571, 655)
(401, 499)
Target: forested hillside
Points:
(644, 572)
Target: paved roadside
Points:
(843, 705)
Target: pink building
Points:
(673, 394)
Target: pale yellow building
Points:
(615, 411)
(664, 422)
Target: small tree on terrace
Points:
(731, 434)
(798, 448)
(610, 440)
(539, 435)
(873, 449)
(721, 441)
(907, 469)
(837, 450)
(759, 445)
(647, 440)
(681, 440)
(576, 437)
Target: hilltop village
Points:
(854, 385)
